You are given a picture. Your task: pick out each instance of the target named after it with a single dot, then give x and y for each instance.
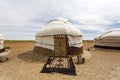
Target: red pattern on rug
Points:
(59, 62)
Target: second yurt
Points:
(110, 39)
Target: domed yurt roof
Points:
(110, 39)
(59, 26)
(110, 34)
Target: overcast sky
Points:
(21, 19)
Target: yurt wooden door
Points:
(60, 44)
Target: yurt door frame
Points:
(60, 44)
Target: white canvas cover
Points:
(45, 36)
(110, 38)
(1, 41)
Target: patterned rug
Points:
(59, 64)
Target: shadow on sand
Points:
(32, 57)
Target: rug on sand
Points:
(59, 64)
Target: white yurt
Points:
(4, 52)
(1, 41)
(110, 39)
(58, 37)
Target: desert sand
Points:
(23, 64)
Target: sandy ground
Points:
(25, 65)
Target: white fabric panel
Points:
(112, 44)
(75, 41)
(77, 45)
(108, 40)
(45, 40)
(44, 46)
